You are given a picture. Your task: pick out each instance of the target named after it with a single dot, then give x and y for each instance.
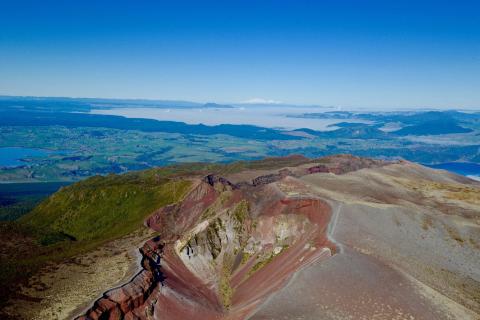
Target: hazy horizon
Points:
(265, 103)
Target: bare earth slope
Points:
(410, 239)
(337, 238)
(332, 238)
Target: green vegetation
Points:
(240, 215)
(263, 261)
(17, 199)
(213, 237)
(104, 207)
(241, 212)
(226, 290)
(80, 217)
(84, 151)
(98, 145)
(208, 213)
(81, 152)
(13, 209)
(245, 257)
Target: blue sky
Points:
(342, 53)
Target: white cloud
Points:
(261, 101)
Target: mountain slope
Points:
(80, 218)
(102, 208)
(330, 238)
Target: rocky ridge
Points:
(226, 247)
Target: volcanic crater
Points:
(222, 251)
(331, 238)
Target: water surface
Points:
(13, 156)
(469, 169)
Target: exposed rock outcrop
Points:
(213, 251)
(227, 247)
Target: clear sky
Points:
(336, 52)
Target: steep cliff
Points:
(220, 252)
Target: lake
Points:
(12, 156)
(469, 169)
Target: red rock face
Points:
(318, 169)
(184, 270)
(311, 245)
(172, 220)
(130, 300)
(119, 303)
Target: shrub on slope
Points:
(102, 208)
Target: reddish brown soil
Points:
(309, 247)
(166, 288)
(370, 290)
